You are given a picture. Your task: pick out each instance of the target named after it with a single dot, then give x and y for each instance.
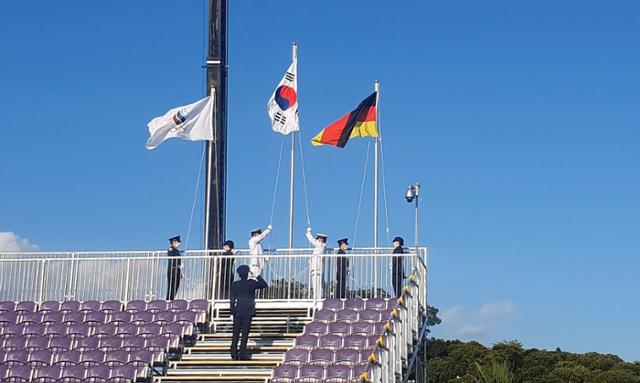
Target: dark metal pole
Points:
(215, 181)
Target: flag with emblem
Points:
(283, 105)
(191, 122)
(360, 122)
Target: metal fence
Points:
(207, 275)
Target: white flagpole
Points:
(294, 52)
(376, 87)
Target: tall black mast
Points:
(215, 182)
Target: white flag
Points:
(191, 122)
(283, 105)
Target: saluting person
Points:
(242, 307)
(174, 270)
(342, 267)
(255, 248)
(319, 244)
(397, 266)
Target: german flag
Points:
(361, 122)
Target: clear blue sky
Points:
(520, 118)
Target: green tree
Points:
(496, 372)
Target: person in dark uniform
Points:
(242, 307)
(225, 270)
(397, 268)
(174, 270)
(342, 267)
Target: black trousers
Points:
(342, 264)
(173, 282)
(224, 278)
(241, 323)
(397, 275)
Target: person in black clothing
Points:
(243, 309)
(397, 268)
(342, 266)
(174, 270)
(224, 276)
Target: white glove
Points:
(270, 227)
(308, 230)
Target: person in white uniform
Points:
(319, 244)
(255, 249)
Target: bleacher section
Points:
(93, 341)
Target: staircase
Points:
(273, 332)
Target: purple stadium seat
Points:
(171, 328)
(187, 317)
(106, 329)
(296, 356)
(46, 374)
(359, 369)
(362, 328)
(89, 306)
(135, 306)
(56, 329)
(376, 304)
(108, 343)
(331, 341)
(164, 317)
(40, 358)
(48, 306)
(378, 328)
(9, 317)
(157, 343)
(318, 328)
(92, 357)
(15, 343)
(178, 305)
(200, 307)
(127, 329)
(339, 327)
(3, 372)
(347, 315)
(2, 353)
(36, 329)
(142, 317)
(9, 330)
(37, 343)
(372, 341)
(366, 353)
(70, 306)
(311, 374)
(325, 316)
(138, 357)
(52, 317)
(321, 356)
(60, 343)
(87, 343)
(333, 304)
(131, 343)
(26, 307)
(73, 317)
(16, 357)
(120, 317)
(157, 305)
(30, 318)
(95, 317)
(98, 373)
(109, 307)
(347, 356)
(357, 342)
(122, 374)
(392, 304)
(369, 316)
(67, 358)
(284, 374)
(73, 373)
(308, 342)
(338, 373)
(78, 329)
(18, 374)
(116, 358)
(354, 304)
(7, 306)
(150, 329)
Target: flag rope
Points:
(275, 189)
(195, 196)
(364, 179)
(384, 181)
(304, 181)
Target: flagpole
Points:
(376, 87)
(294, 53)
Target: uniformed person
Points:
(255, 248)
(225, 270)
(174, 270)
(397, 267)
(319, 244)
(342, 267)
(242, 307)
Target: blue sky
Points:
(519, 118)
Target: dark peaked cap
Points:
(176, 238)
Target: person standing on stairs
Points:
(255, 248)
(319, 244)
(342, 269)
(243, 308)
(174, 269)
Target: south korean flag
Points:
(283, 105)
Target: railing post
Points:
(126, 281)
(42, 279)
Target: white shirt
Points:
(255, 247)
(318, 246)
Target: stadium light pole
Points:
(413, 193)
